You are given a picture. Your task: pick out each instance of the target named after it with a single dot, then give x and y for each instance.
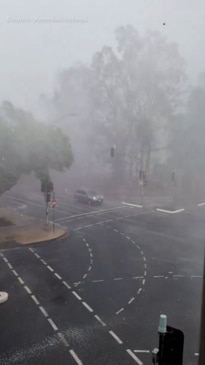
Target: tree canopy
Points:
(28, 145)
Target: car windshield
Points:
(102, 182)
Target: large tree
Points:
(27, 145)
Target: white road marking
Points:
(91, 261)
(63, 340)
(37, 255)
(27, 289)
(87, 307)
(89, 225)
(118, 218)
(143, 282)
(30, 249)
(120, 310)
(97, 281)
(99, 320)
(20, 280)
(76, 295)
(131, 300)
(108, 220)
(84, 276)
(115, 230)
(138, 277)
(170, 211)
(91, 255)
(50, 268)
(138, 361)
(10, 266)
(196, 276)
(87, 244)
(117, 279)
(35, 299)
(133, 205)
(128, 237)
(89, 249)
(196, 354)
(201, 204)
(139, 290)
(67, 285)
(43, 311)
(76, 358)
(90, 268)
(99, 223)
(14, 272)
(43, 261)
(5, 259)
(113, 334)
(144, 258)
(88, 213)
(178, 276)
(142, 351)
(53, 325)
(158, 276)
(58, 276)
(170, 272)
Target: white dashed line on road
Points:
(35, 299)
(43, 261)
(138, 361)
(20, 280)
(201, 204)
(178, 276)
(58, 276)
(67, 285)
(10, 266)
(14, 272)
(142, 351)
(27, 289)
(99, 320)
(158, 276)
(143, 282)
(53, 325)
(120, 310)
(50, 268)
(37, 255)
(131, 300)
(5, 259)
(90, 268)
(75, 357)
(117, 279)
(113, 334)
(97, 281)
(84, 276)
(196, 276)
(63, 340)
(139, 290)
(76, 295)
(43, 311)
(138, 277)
(87, 307)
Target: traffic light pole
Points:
(202, 334)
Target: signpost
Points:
(53, 205)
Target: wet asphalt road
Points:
(96, 296)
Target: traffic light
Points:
(144, 178)
(112, 152)
(48, 197)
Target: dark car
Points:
(89, 197)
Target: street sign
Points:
(53, 203)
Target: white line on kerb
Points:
(76, 358)
(87, 307)
(66, 284)
(131, 300)
(100, 320)
(53, 325)
(138, 361)
(35, 299)
(121, 310)
(43, 311)
(113, 334)
(76, 295)
(142, 351)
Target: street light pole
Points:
(202, 334)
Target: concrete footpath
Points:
(23, 230)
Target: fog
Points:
(113, 73)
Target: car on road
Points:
(89, 197)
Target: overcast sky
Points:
(33, 51)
